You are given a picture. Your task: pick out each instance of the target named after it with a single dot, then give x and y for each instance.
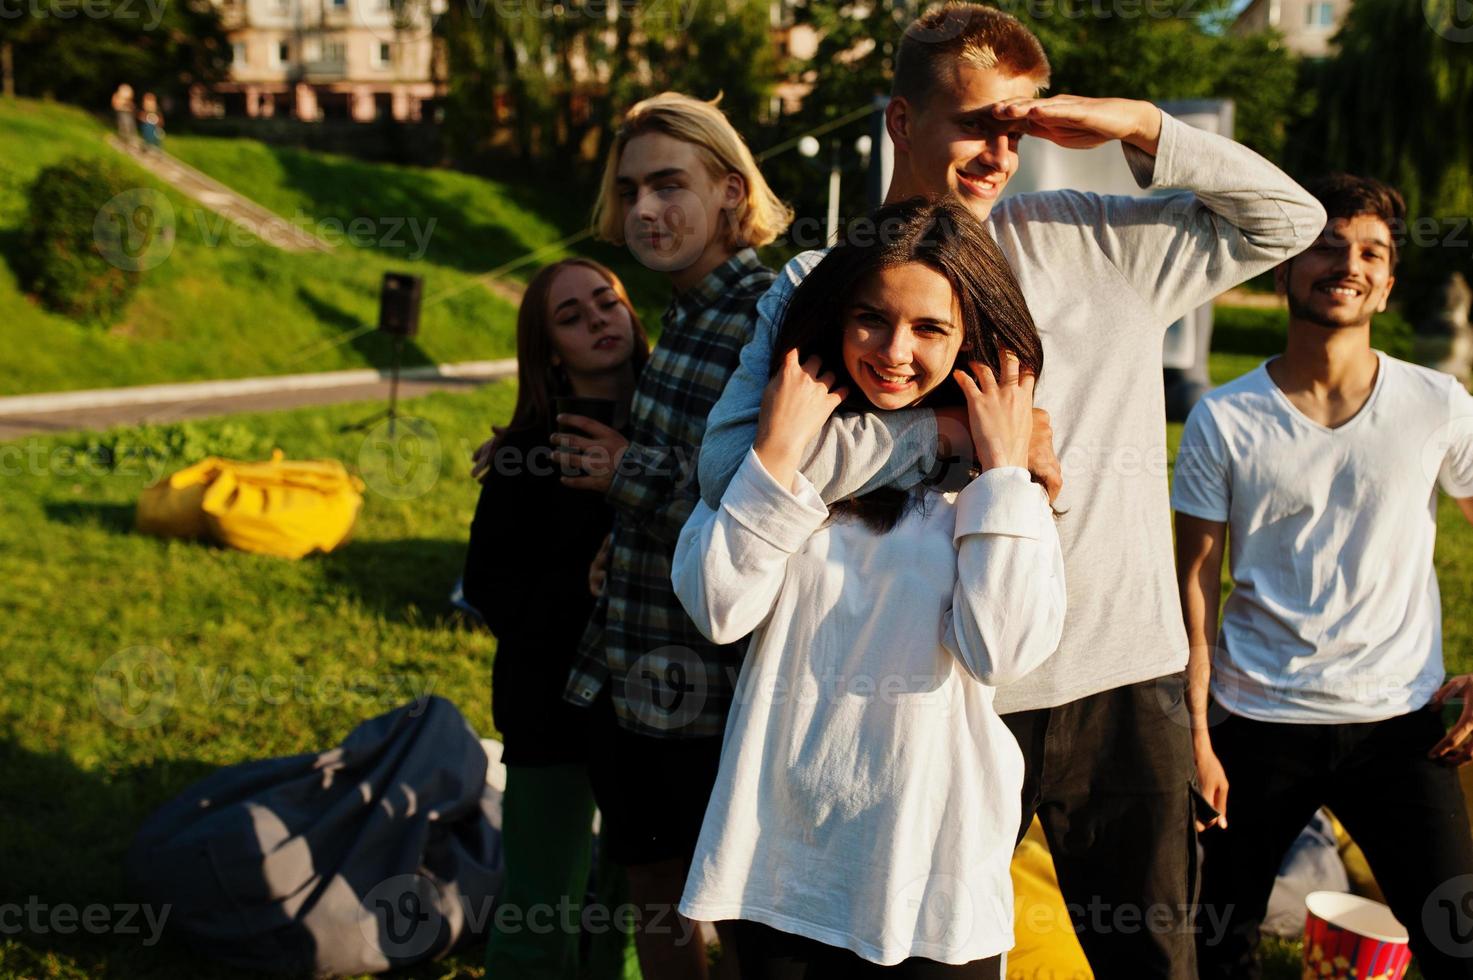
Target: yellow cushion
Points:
(172, 507)
(1045, 942)
(282, 507)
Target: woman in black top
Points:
(539, 523)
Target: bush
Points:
(78, 259)
(1263, 332)
(164, 448)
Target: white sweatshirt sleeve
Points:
(730, 562)
(1237, 215)
(1008, 604)
(1232, 216)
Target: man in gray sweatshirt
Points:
(1102, 724)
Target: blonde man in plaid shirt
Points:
(682, 190)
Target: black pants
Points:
(764, 953)
(1404, 810)
(1110, 778)
(652, 792)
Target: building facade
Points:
(364, 60)
(357, 60)
(1307, 25)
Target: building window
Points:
(1320, 13)
(382, 54)
(281, 53)
(238, 53)
(340, 4)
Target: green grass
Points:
(349, 635)
(480, 224)
(1263, 332)
(371, 619)
(224, 304)
(342, 637)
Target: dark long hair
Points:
(944, 236)
(539, 381)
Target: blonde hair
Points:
(762, 215)
(982, 37)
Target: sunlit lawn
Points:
(345, 636)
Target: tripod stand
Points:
(392, 412)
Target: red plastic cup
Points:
(1346, 936)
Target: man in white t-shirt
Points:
(1326, 680)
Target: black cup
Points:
(598, 409)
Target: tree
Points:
(1396, 103)
(853, 63)
(1151, 49)
(80, 52)
(565, 69)
(1139, 49)
(705, 48)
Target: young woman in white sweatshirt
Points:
(865, 813)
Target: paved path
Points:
(266, 225)
(41, 414)
(260, 221)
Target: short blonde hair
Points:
(762, 215)
(970, 33)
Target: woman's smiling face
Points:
(902, 333)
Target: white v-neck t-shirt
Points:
(868, 796)
(1335, 614)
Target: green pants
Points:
(546, 837)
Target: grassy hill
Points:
(225, 304)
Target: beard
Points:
(1302, 308)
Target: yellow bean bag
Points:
(282, 507)
(172, 507)
(1046, 947)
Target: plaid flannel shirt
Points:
(665, 678)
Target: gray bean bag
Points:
(382, 852)
(1312, 865)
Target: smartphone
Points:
(1205, 812)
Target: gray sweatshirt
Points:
(1104, 277)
